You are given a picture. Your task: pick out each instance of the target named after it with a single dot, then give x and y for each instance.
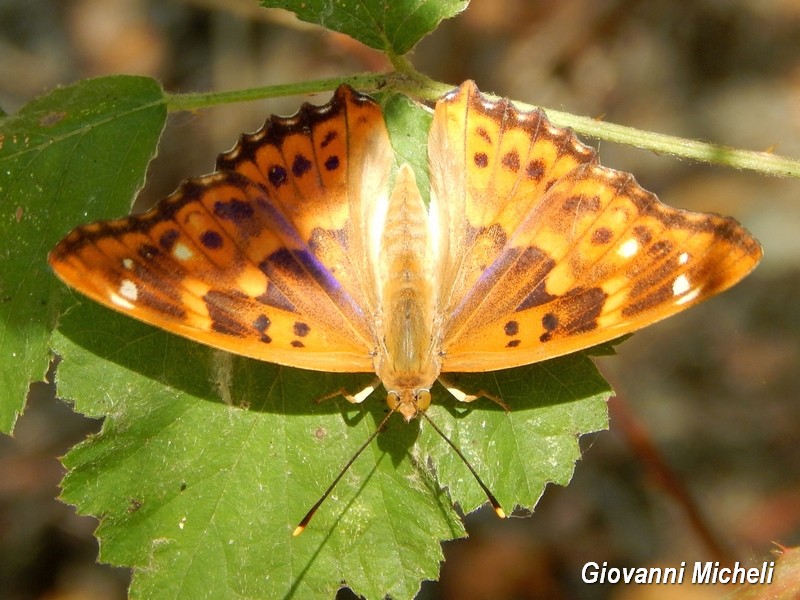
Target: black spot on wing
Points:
(148, 251)
(660, 249)
(549, 322)
(211, 239)
(233, 210)
(301, 329)
(643, 234)
(578, 311)
(511, 161)
(300, 166)
(329, 137)
(277, 175)
(168, 238)
(261, 325)
(535, 170)
(331, 163)
(601, 236)
(481, 160)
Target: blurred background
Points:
(701, 461)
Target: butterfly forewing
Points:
(257, 258)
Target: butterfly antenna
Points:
(492, 500)
(310, 514)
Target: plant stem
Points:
(762, 162)
(196, 101)
(408, 80)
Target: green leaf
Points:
(391, 26)
(408, 125)
(206, 462)
(82, 147)
(201, 496)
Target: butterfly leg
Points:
(356, 398)
(463, 396)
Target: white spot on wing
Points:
(127, 263)
(688, 297)
(182, 252)
(628, 249)
(120, 301)
(683, 258)
(681, 285)
(128, 289)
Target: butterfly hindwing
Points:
(327, 170)
(489, 163)
(578, 256)
(256, 258)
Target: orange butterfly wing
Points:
(537, 250)
(545, 252)
(264, 257)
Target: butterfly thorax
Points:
(407, 360)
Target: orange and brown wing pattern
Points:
(254, 258)
(489, 164)
(581, 256)
(327, 170)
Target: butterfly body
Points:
(305, 248)
(408, 359)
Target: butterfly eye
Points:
(393, 400)
(423, 399)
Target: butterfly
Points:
(308, 248)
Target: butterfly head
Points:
(409, 402)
